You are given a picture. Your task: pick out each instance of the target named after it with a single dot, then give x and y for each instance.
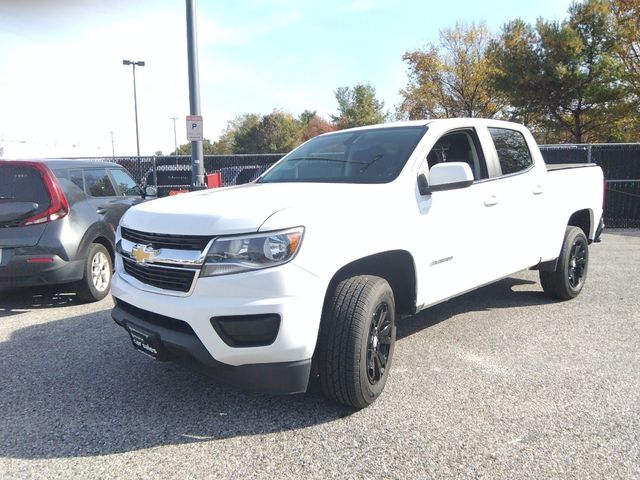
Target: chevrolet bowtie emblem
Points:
(144, 253)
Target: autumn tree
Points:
(358, 106)
(451, 78)
(314, 125)
(627, 22)
(565, 72)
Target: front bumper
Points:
(180, 341)
(183, 323)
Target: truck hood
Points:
(241, 209)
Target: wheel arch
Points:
(583, 219)
(396, 266)
(97, 234)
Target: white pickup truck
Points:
(313, 263)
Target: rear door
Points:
(516, 195)
(103, 197)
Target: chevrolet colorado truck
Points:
(312, 264)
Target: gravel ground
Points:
(498, 383)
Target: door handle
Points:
(491, 201)
(537, 190)
(101, 210)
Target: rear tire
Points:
(567, 280)
(97, 275)
(357, 338)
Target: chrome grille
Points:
(176, 279)
(164, 240)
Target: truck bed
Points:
(565, 166)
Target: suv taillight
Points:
(59, 206)
(604, 192)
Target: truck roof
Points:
(449, 122)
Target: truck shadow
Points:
(75, 387)
(496, 295)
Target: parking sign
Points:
(194, 128)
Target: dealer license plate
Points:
(147, 343)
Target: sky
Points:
(65, 92)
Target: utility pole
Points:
(175, 138)
(197, 156)
(113, 150)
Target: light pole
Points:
(197, 157)
(175, 138)
(135, 100)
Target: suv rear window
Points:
(23, 184)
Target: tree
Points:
(627, 22)
(358, 106)
(208, 148)
(451, 78)
(276, 132)
(565, 74)
(314, 125)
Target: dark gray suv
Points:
(58, 221)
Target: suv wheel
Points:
(97, 275)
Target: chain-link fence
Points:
(174, 172)
(620, 163)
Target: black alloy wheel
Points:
(379, 343)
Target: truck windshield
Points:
(364, 156)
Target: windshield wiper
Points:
(324, 159)
(375, 159)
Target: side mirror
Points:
(446, 176)
(150, 191)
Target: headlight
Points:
(251, 252)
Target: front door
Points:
(454, 225)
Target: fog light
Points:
(247, 330)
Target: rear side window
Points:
(97, 183)
(23, 184)
(76, 177)
(513, 152)
(126, 184)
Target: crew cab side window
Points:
(459, 146)
(511, 147)
(98, 183)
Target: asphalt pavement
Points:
(500, 383)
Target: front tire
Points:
(357, 338)
(97, 275)
(567, 280)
